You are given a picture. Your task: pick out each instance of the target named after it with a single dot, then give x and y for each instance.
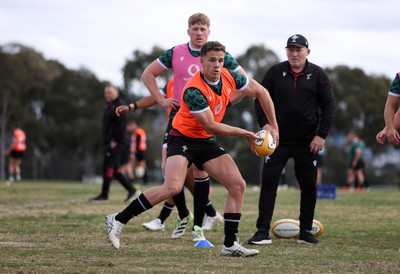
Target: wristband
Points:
(129, 107)
(135, 105)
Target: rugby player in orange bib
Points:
(16, 153)
(205, 98)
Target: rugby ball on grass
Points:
(317, 228)
(286, 228)
(266, 146)
(290, 228)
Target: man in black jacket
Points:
(305, 109)
(116, 143)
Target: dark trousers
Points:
(306, 174)
(114, 158)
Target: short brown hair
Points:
(211, 45)
(200, 18)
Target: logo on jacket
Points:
(284, 73)
(184, 148)
(309, 76)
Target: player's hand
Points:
(392, 136)
(169, 103)
(121, 110)
(251, 137)
(317, 144)
(381, 136)
(274, 132)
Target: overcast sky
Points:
(101, 34)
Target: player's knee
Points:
(172, 190)
(238, 187)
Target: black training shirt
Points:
(304, 103)
(114, 127)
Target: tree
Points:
(257, 60)
(72, 124)
(24, 79)
(360, 102)
(134, 67)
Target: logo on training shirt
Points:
(184, 148)
(309, 76)
(314, 162)
(193, 69)
(267, 158)
(217, 109)
(284, 73)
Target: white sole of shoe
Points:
(263, 242)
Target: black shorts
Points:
(117, 156)
(16, 154)
(140, 155)
(196, 151)
(169, 127)
(320, 160)
(360, 165)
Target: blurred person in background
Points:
(356, 173)
(138, 150)
(16, 153)
(116, 147)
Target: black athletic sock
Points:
(200, 198)
(210, 210)
(165, 212)
(180, 203)
(135, 208)
(124, 182)
(106, 186)
(231, 229)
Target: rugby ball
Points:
(139, 172)
(317, 228)
(286, 228)
(266, 146)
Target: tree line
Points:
(60, 109)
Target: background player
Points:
(16, 154)
(116, 146)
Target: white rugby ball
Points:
(286, 228)
(266, 146)
(139, 172)
(317, 228)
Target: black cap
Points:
(297, 40)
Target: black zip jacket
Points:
(114, 127)
(304, 103)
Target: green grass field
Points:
(49, 227)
